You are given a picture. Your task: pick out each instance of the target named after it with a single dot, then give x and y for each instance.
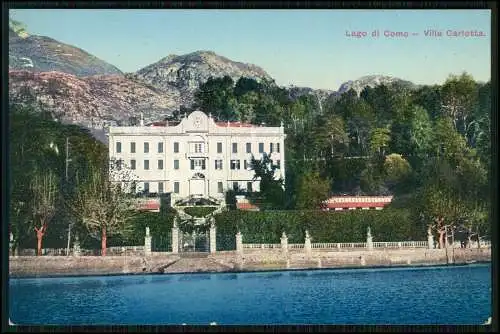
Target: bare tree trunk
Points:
(441, 238)
(39, 236)
(103, 241)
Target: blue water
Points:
(425, 295)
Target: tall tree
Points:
(44, 189)
(459, 100)
(271, 193)
(102, 206)
(312, 190)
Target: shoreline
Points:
(170, 264)
(420, 265)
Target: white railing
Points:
(346, 245)
(118, 249)
(261, 246)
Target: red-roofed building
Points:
(339, 203)
(148, 204)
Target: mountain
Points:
(186, 73)
(372, 81)
(42, 54)
(94, 101)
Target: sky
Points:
(296, 47)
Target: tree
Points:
(312, 191)
(331, 135)
(379, 140)
(44, 190)
(459, 100)
(102, 207)
(396, 169)
(420, 131)
(214, 95)
(271, 188)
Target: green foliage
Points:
(312, 191)
(201, 211)
(271, 195)
(351, 226)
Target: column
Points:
(430, 238)
(175, 240)
(147, 243)
(369, 239)
(239, 243)
(284, 243)
(213, 240)
(307, 245)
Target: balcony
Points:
(190, 155)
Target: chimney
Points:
(142, 118)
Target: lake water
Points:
(422, 295)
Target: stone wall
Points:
(86, 265)
(255, 259)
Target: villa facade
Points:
(197, 157)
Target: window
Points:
(220, 188)
(235, 164)
(118, 147)
(278, 147)
(146, 164)
(219, 147)
(132, 164)
(146, 147)
(235, 147)
(278, 164)
(245, 164)
(160, 187)
(119, 164)
(198, 148)
(271, 146)
(235, 185)
(160, 164)
(261, 147)
(160, 147)
(249, 187)
(176, 187)
(249, 147)
(132, 147)
(218, 164)
(176, 164)
(176, 147)
(146, 187)
(198, 164)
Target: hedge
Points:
(266, 227)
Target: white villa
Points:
(197, 157)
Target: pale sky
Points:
(300, 47)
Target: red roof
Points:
(247, 206)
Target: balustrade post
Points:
(239, 243)
(307, 245)
(175, 237)
(369, 239)
(213, 238)
(284, 243)
(430, 238)
(147, 243)
(76, 246)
